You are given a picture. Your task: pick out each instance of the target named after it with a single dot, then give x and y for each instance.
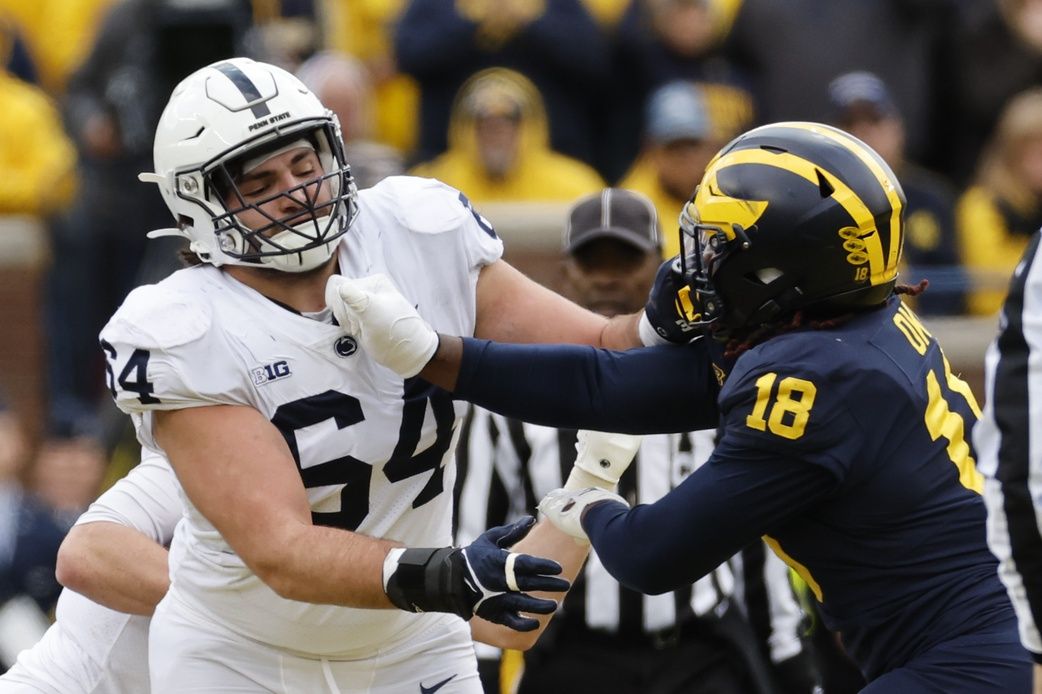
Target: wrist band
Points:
(649, 337)
(509, 570)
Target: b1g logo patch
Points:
(270, 372)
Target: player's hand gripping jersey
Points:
(374, 452)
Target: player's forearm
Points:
(621, 332)
(544, 540)
(114, 566)
(236, 469)
(444, 367)
(601, 460)
(721, 507)
(513, 308)
(323, 565)
(645, 391)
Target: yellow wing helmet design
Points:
(789, 217)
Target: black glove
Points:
(663, 311)
(482, 578)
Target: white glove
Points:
(601, 459)
(564, 508)
(384, 322)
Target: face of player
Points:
(296, 175)
(610, 277)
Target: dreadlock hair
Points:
(741, 343)
(912, 289)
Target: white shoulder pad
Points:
(157, 317)
(422, 205)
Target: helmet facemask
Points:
(304, 238)
(703, 248)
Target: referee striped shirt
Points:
(1008, 439)
(505, 467)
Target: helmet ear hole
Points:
(767, 275)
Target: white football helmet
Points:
(235, 111)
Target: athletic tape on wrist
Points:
(579, 479)
(649, 337)
(509, 571)
(391, 564)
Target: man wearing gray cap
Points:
(608, 637)
(611, 245)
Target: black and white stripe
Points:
(246, 87)
(510, 466)
(1009, 454)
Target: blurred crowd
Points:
(524, 101)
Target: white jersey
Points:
(374, 452)
(91, 649)
(1009, 447)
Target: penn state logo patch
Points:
(345, 346)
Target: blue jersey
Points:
(848, 448)
(895, 550)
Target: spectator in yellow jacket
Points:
(998, 214)
(363, 28)
(59, 34)
(499, 147)
(69, 30)
(679, 143)
(37, 160)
